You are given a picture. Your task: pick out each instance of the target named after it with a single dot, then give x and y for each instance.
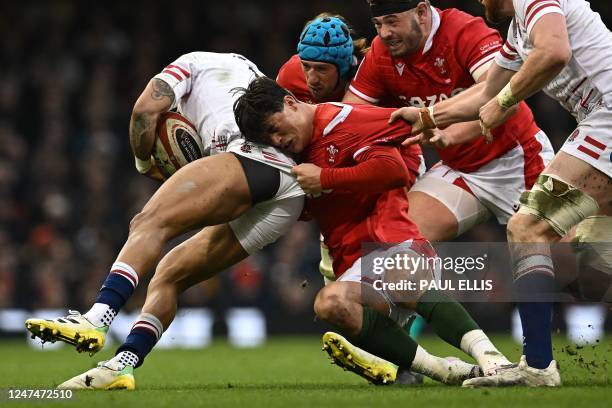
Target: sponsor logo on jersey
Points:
(220, 142)
(430, 100)
(400, 68)
(332, 151)
(485, 49)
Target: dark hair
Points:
(261, 99)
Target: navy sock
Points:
(142, 338)
(536, 317)
(118, 286)
(537, 341)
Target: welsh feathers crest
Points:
(440, 63)
(332, 151)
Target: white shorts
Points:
(368, 277)
(265, 154)
(497, 186)
(267, 221)
(591, 142)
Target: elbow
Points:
(403, 180)
(559, 57)
(143, 109)
(399, 176)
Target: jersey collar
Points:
(435, 25)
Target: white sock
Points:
(125, 358)
(477, 344)
(429, 365)
(100, 315)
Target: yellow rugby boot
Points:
(73, 329)
(108, 375)
(351, 358)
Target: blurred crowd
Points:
(70, 72)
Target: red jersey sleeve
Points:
(379, 169)
(368, 84)
(291, 77)
(476, 44)
(372, 128)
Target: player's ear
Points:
(290, 101)
(422, 11)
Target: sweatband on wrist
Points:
(426, 116)
(505, 98)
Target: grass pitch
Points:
(293, 372)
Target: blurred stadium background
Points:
(71, 71)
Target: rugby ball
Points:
(177, 143)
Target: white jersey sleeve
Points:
(179, 75)
(530, 11)
(507, 57)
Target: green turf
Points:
(293, 372)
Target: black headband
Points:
(383, 7)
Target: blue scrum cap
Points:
(327, 39)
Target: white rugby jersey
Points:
(202, 83)
(586, 81)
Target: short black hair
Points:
(260, 100)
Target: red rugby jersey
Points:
(458, 47)
(291, 77)
(342, 135)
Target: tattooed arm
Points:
(156, 99)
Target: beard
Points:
(493, 11)
(411, 42)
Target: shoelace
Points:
(497, 370)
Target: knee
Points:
(330, 306)
(140, 221)
(149, 221)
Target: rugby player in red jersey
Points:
(328, 56)
(356, 177)
(421, 56)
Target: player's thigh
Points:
(209, 191)
(435, 221)
(266, 222)
(201, 257)
(443, 210)
(583, 176)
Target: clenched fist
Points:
(309, 178)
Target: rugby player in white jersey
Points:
(563, 48)
(243, 194)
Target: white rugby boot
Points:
(519, 375)
(108, 375)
